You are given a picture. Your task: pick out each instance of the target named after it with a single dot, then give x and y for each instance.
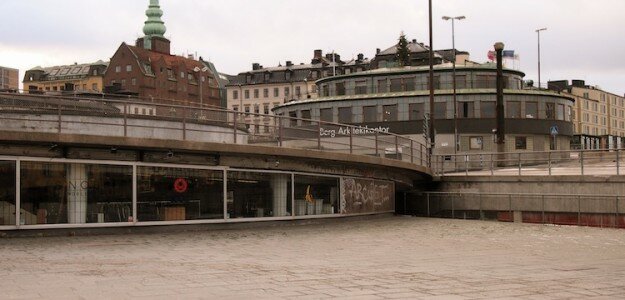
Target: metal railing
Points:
(562, 162)
(113, 117)
(565, 209)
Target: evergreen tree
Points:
(403, 53)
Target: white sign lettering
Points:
(345, 131)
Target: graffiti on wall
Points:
(366, 196)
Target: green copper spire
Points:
(154, 26)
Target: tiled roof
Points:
(147, 56)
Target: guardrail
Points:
(59, 114)
(565, 209)
(568, 162)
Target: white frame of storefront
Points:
(135, 222)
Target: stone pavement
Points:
(389, 257)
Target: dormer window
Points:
(148, 69)
(288, 75)
(248, 78)
(267, 76)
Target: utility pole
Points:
(538, 32)
(431, 81)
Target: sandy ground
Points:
(389, 257)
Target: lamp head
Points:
(499, 46)
(460, 17)
(446, 18)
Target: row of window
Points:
(246, 107)
(466, 109)
(406, 84)
(276, 93)
(76, 87)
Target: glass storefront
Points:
(316, 195)
(258, 194)
(7, 193)
(175, 194)
(67, 193)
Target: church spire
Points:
(154, 26)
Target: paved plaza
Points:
(381, 257)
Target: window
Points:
(485, 82)
(136, 110)
(476, 143)
(276, 92)
(306, 114)
(487, 109)
(465, 110)
(382, 88)
(437, 82)
(94, 86)
(235, 94)
(325, 91)
(340, 88)
(586, 104)
(416, 111)
(513, 110)
(247, 109)
(325, 114)
(148, 69)
(256, 108)
(255, 93)
(134, 81)
(128, 68)
(370, 113)
(440, 110)
(181, 74)
(247, 94)
(143, 111)
(293, 118)
(531, 110)
(345, 114)
(409, 83)
(560, 111)
(266, 108)
(461, 81)
(550, 111)
(118, 69)
(361, 87)
(265, 93)
(170, 74)
(123, 82)
(396, 85)
(287, 92)
(389, 113)
(235, 107)
(520, 143)
(298, 91)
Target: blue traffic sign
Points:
(553, 130)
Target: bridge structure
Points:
(84, 162)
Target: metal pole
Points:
(538, 31)
(280, 137)
(125, 119)
(549, 158)
(18, 193)
(431, 80)
(453, 214)
(510, 207)
(616, 212)
(396, 147)
(453, 46)
(184, 123)
(428, 198)
(351, 142)
(491, 165)
(543, 209)
(579, 210)
(581, 161)
(480, 197)
(519, 164)
(466, 164)
(134, 193)
(412, 151)
(319, 135)
(234, 125)
(376, 143)
(501, 127)
(618, 171)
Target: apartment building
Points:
(75, 77)
(598, 115)
(9, 79)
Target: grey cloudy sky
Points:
(584, 39)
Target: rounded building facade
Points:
(397, 100)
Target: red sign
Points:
(181, 185)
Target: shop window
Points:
(476, 143)
(520, 143)
(316, 195)
(258, 195)
(7, 195)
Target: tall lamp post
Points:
(431, 85)
(453, 46)
(501, 125)
(200, 77)
(538, 32)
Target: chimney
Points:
(360, 56)
(255, 66)
(190, 56)
(414, 41)
(289, 63)
(318, 54)
(377, 51)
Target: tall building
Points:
(261, 89)
(76, 77)
(9, 79)
(599, 116)
(148, 70)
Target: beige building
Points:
(258, 91)
(76, 77)
(9, 79)
(599, 116)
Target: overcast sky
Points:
(584, 40)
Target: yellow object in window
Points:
(309, 197)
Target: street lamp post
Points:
(453, 46)
(538, 32)
(200, 71)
